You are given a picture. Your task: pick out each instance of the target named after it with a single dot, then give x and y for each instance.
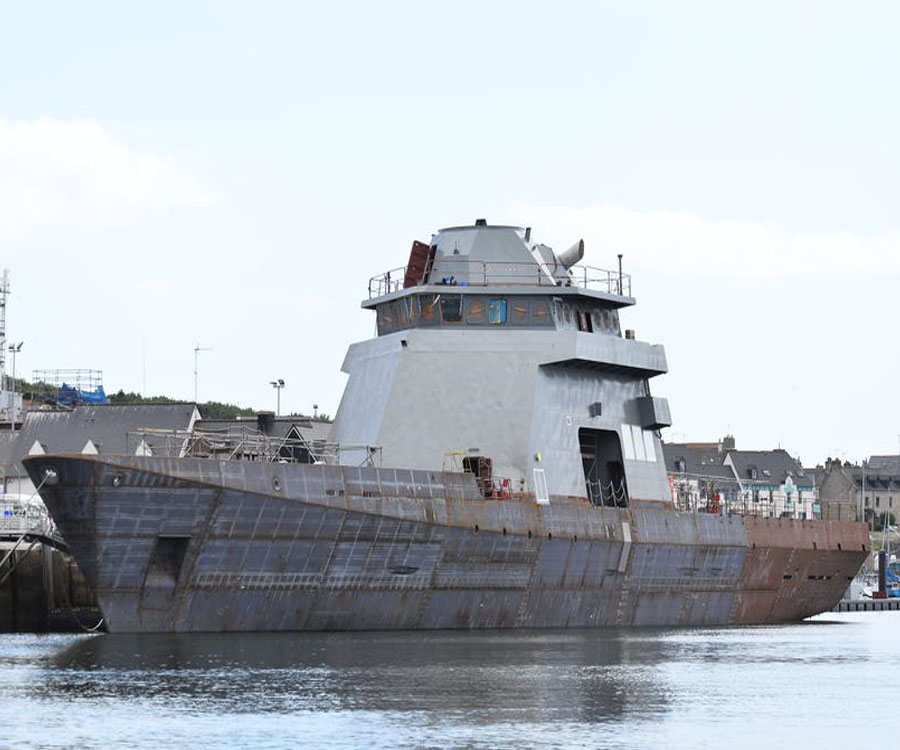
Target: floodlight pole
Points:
(277, 385)
(14, 350)
(197, 350)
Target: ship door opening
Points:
(482, 468)
(166, 561)
(604, 470)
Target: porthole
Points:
(276, 484)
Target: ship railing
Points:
(497, 489)
(490, 274)
(609, 494)
(741, 506)
(501, 489)
(21, 517)
(746, 505)
(490, 486)
(248, 445)
(24, 522)
(718, 495)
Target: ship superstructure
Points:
(498, 351)
(495, 462)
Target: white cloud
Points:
(684, 242)
(77, 174)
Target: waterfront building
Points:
(872, 488)
(722, 479)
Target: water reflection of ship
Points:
(580, 675)
(493, 347)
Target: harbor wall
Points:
(43, 590)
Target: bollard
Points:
(882, 576)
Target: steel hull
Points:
(179, 545)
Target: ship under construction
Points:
(495, 462)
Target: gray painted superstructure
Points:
(508, 473)
(516, 392)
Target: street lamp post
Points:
(277, 385)
(197, 350)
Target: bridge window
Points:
(384, 316)
(426, 316)
(451, 308)
(497, 311)
(584, 321)
(520, 312)
(403, 313)
(475, 310)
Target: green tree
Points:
(208, 410)
(217, 410)
(881, 520)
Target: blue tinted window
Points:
(497, 311)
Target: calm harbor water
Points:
(829, 682)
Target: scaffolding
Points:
(69, 387)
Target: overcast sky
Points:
(230, 175)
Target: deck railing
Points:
(608, 494)
(486, 274)
(248, 445)
(20, 517)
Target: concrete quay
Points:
(891, 604)
(43, 590)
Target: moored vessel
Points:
(495, 462)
